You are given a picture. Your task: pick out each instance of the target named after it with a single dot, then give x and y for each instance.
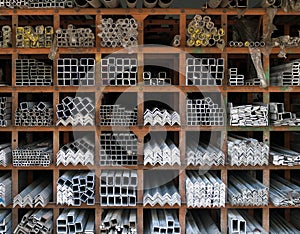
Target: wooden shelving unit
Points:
(140, 15)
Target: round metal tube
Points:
(131, 3)
(210, 25)
(262, 44)
(257, 44)
(165, 3)
(231, 43)
(190, 42)
(211, 42)
(94, 3)
(81, 3)
(206, 19)
(240, 44)
(111, 3)
(235, 44)
(277, 3)
(252, 44)
(150, 3)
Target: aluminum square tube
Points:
(5, 111)
(118, 188)
(119, 33)
(200, 222)
(280, 117)
(246, 151)
(161, 80)
(285, 74)
(75, 188)
(206, 190)
(116, 115)
(118, 148)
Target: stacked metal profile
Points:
(75, 221)
(284, 156)
(75, 37)
(5, 36)
(204, 112)
(118, 188)
(280, 117)
(204, 71)
(5, 222)
(162, 221)
(75, 188)
(284, 192)
(280, 225)
(5, 154)
(251, 44)
(161, 117)
(201, 31)
(81, 151)
(5, 191)
(122, 32)
(246, 151)
(203, 154)
(119, 71)
(161, 80)
(38, 153)
(156, 193)
(36, 3)
(34, 114)
(76, 72)
(31, 72)
(119, 221)
(286, 74)
(76, 111)
(244, 190)
(36, 221)
(200, 222)
(118, 148)
(248, 115)
(5, 111)
(38, 193)
(161, 152)
(235, 79)
(239, 221)
(116, 115)
(206, 190)
(38, 37)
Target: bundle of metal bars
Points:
(161, 117)
(76, 72)
(38, 153)
(75, 221)
(161, 80)
(248, 115)
(203, 154)
(284, 156)
(280, 225)
(280, 117)
(81, 151)
(162, 221)
(247, 44)
(75, 188)
(38, 37)
(116, 115)
(206, 190)
(5, 154)
(155, 194)
(118, 188)
(239, 221)
(122, 32)
(286, 41)
(5, 35)
(76, 111)
(200, 222)
(119, 71)
(118, 148)
(244, 190)
(34, 114)
(246, 151)
(286, 74)
(204, 71)
(201, 31)
(204, 112)
(283, 192)
(38, 193)
(5, 191)
(161, 152)
(5, 111)
(119, 221)
(5, 222)
(75, 37)
(31, 72)
(36, 221)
